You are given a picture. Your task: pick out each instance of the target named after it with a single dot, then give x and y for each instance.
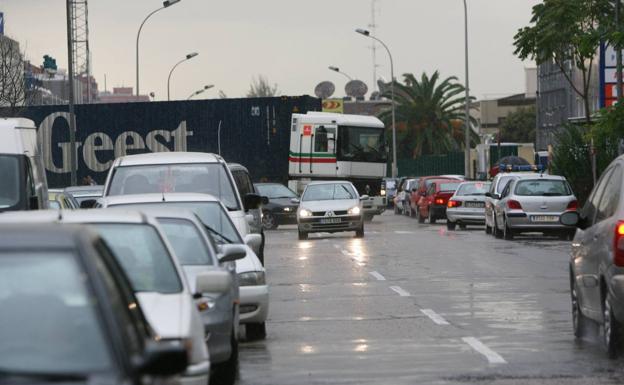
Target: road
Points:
(416, 304)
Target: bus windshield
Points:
(361, 144)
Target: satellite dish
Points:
(324, 90)
(375, 96)
(356, 89)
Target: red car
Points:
(435, 200)
(417, 197)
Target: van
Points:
(24, 185)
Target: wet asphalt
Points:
(417, 304)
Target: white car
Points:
(330, 207)
(254, 291)
(182, 172)
(467, 205)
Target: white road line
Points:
(404, 232)
(491, 355)
(400, 291)
(378, 276)
(435, 317)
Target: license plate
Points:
(545, 218)
(329, 221)
(475, 205)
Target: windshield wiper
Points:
(44, 376)
(215, 232)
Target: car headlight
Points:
(304, 213)
(354, 210)
(382, 192)
(287, 209)
(253, 278)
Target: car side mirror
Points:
(254, 241)
(488, 194)
(570, 218)
(33, 203)
(88, 204)
(217, 281)
(163, 359)
(295, 201)
(230, 253)
(496, 196)
(364, 197)
(252, 201)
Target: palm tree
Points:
(429, 114)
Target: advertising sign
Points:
(608, 76)
(333, 105)
(1, 23)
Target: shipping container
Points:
(254, 132)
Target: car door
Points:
(429, 199)
(489, 204)
(499, 208)
(323, 157)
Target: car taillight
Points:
(618, 245)
(440, 201)
(572, 206)
(452, 204)
(514, 205)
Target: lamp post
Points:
(188, 57)
(394, 151)
(209, 86)
(166, 4)
(336, 69)
(467, 101)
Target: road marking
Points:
(404, 232)
(400, 291)
(435, 317)
(491, 355)
(345, 253)
(378, 276)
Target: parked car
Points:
(280, 209)
(597, 263)
(433, 205)
(182, 172)
(401, 204)
(254, 291)
(69, 314)
(534, 204)
(59, 200)
(154, 274)
(492, 197)
(467, 205)
(86, 196)
(418, 193)
(330, 207)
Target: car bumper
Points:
(616, 291)
(470, 216)
(254, 303)
(196, 374)
(520, 221)
(347, 223)
(438, 212)
(285, 218)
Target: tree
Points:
(261, 88)
(519, 126)
(430, 115)
(567, 32)
(13, 92)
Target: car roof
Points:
(74, 216)
(43, 236)
(237, 166)
(114, 200)
(154, 158)
(328, 182)
(268, 184)
(543, 177)
(169, 212)
(85, 189)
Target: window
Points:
(611, 196)
(243, 182)
(590, 209)
(187, 242)
(543, 187)
(275, 191)
(324, 139)
(361, 144)
(432, 189)
(478, 188)
(328, 191)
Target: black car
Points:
(85, 195)
(69, 313)
(280, 210)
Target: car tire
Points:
(255, 331)
(579, 321)
(360, 233)
(612, 330)
(450, 225)
(269, 222)
(497, 233)
(432, 219)
(225, 372)
(508, 233)
(421, 219)
(303, 235)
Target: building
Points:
(121, 95)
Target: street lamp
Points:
(166, 4)
(336, 69)
(394, 145)
(209, 86)
(467, 101)
(188, 57)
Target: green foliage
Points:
(571, 158)
(429, 115)
(608, 134)
(519, 126)
(261, 88)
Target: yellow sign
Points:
(333, 105)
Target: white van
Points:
(24, 185)
(188, 172)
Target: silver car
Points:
(330, 207)
(534, 204)
(467, 205)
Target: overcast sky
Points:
(290, 41)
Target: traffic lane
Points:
(512, 295)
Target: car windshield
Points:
(143, 256)
(448, 186)
(542, 187)
(479, 188)
(48, 322)
(361, 144)
(329, 191)
(207, 178)
(9, 188)
(274, 191)
(187, 242)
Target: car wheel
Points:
(360, 233)
(255, 331)
(579, 321)
(421, 219)
(303, 235)
(432, 219)
(450, 225)
(612, 329)
(269, 222)
(225, 372)
(508, 234)
(497, 233)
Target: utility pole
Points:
(467, 167)
(618, 51)
(72, 116)
(373, 29)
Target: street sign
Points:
(1, 23)
(608, 76)
(307, 130)
(333, 105)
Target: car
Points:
(534, 204)
(155, 276)
(433, 204)
(389, 188)
(182, 172)
(330, 206)
(86, 196)
(254, 291)
(597, 260)
(69, 314)
(467, 205)
(59, 200)
(401, 201)
(418, 193)
(280, 209)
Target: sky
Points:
(291, 42)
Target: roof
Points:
(84, 189)
(542, 176)
(74, 216)
(340, 119)
(39, 236)
(169, 212)
(236, 166)
(328, 182)
(115, 200)
(17, 136)
(168, 158)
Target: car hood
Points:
(192, 271)
(333, 205)
(249, 263)
(168, 314)
(281, 202)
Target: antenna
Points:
(79, 14)
(324, 90)
(373, 29)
